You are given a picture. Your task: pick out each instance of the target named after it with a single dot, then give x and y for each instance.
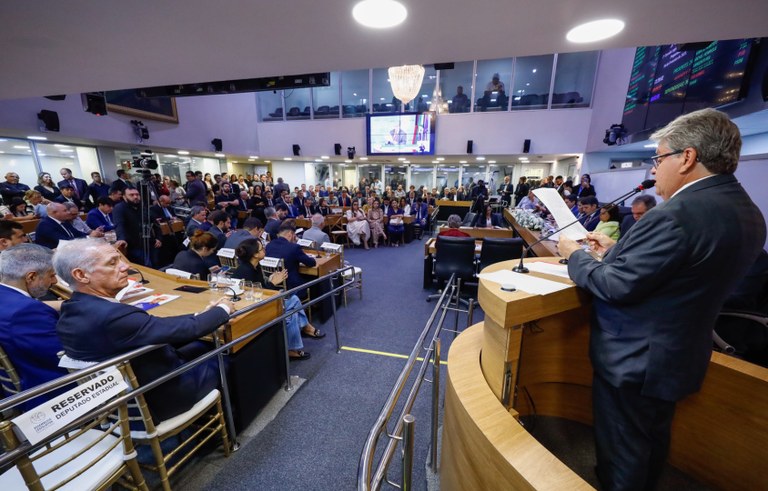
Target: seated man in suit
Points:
(101, 216)
(68, 196)
(79, 186)
(274, 220)
(252, 229)
(162, 210)
(197, 220)
(640, 206)
(28, 326)
(93, 327)
(11, 234)
(308, 209)
(220, 224)
(316, 233)
(588, 214)
(57, 226)
(284, 247)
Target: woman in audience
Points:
(208, 182)
(250, 252)
(585, 188)
(46, 187)
(454, 222)
(405, 208)
(323, 207)
(609, 222)
(357, 226)
(201, 245)
(376, 222)
(35, 200)
(177, 193)
(388, 193)
(18, 208)
(395, 226)
(461, 194)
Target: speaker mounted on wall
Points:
(94, 103)
(527, 146)
(337, 148)
(49, 120)
(296, 150)
(470, 146)
(217, 144)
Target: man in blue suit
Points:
(28, 326)
(57, 226)
(284, 247)
(79, 186)
(101, 216)
(93, 327)
(659, 289)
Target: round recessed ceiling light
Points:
(379, 14)
(597, 30)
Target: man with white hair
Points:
(28, 326)
(316, 233)
(57, 226)
(95, 327)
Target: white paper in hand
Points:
(563, 216)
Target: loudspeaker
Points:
(337, 148)
(95, 103)
(526, 146)
(469, 146)
(56, 97)
(217, 145)
(444, 66)
(296, 150)
(49, 120)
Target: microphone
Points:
(235, 296)
(520, 268)
(135, 271)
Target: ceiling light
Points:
(169, 156)
(21, 147)
(57, 145)
(435, 161)
(480, 158)
(491, 161)
(183, 152)
(406, 162)
(401, 159)
(324, 157)
(379, 14)
(251, 160)
(219, 155)
(66, 150)
(348, 161)
(534, 70)
(440, 158)
(363, 158)
(596, 30)
(1, 151)
(287, 158)
(462, 161)
(267, 161)
(651, 145)
(406, 81)
(253, 157)
(41, 155)
(37, 138)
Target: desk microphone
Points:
(520, 268)
(135, 271)
(235, 297)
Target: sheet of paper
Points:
(524, 282)
(560, 270)
(563, 216)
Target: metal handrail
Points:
(218, 351)
(365, 481)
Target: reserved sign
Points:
(47, 418)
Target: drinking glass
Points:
(248, 290)
(213, 281)
(257, 291)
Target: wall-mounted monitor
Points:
(401, 134)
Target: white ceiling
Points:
(56, 47)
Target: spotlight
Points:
(350, 152)
(615, 135)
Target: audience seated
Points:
(358, 229)
(588, 215)
(201, 245)
(101, 216)
(572, 202)
(11, 234)
(28, 326)
(92, 327)
(585, 188)
(375, 219)
(487, 219)
(250, 252)
(454, 222)
(252, 228)
(275, 217)
(12, 188)
(197, 220)
(315, 233)
(609, 221)
(395, 227)
(284, 247)
(57, 226)
(529, 202)
(220, 225)
(640, 206)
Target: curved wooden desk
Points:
(534, 348)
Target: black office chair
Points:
(499, 249)
(454, 255)
(468, 218)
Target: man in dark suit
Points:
(127, 218)
(97, 189)
(162, 213)
(12, 188)
(657, 293)
(274, 219)
(68, 196)
(640, 207)
(278, 189)
(308, 209)
(57, 226)
(197, 194)
(28, 326)
(79, 185)
(102, 215)
(344, 199)
(506, 190)
(220, 224)
(284, 247)
(197, 220)
(93, 327)
(122, 181)
(589, 216)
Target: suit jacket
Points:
(292, 254)
(80, 185)
(193, 225)
(121, 185)
(156, 213)
(191, 262)
(271, 228)
(61, 199)
(127, 220)
(95, 219)
(658, 291)
(28, 336)
(96, 191)
(308, 212)
(48, 232)
(95, 329)
(626, 224)
(197, 193)
(345, 201)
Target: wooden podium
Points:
(531, 354)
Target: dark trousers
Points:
(632, 435)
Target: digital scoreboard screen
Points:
(640, 85)
(718, 74)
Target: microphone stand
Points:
(235, 296)
(134, 271)
(520, 268)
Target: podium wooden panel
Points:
(535, 348)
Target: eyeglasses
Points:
(656, 159)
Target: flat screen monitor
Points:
(401, 134)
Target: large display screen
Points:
(667, 81)
(406, 134)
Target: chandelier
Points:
(406, 81)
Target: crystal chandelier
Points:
(406, 81)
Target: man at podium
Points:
(658, 290)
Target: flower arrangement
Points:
(528, 219)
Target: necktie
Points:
(109, 220)
(167, 213)
(72, 183)
(66, 229)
